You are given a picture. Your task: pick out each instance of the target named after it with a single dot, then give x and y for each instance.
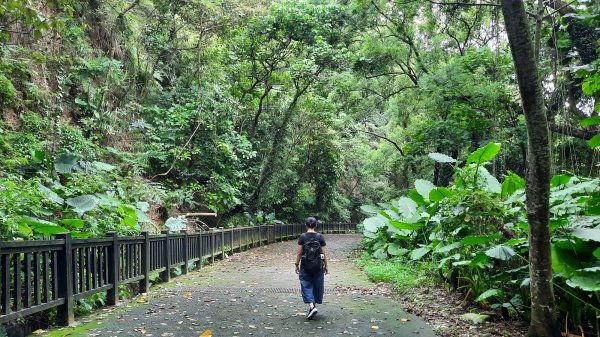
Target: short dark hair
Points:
(310, 222)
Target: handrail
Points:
(36, 276)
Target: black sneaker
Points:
(312, 313)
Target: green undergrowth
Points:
(404, 274)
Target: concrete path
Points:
(256, 293)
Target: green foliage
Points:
(402, 273)
(32, 20)
(476, 234)
(7, 91)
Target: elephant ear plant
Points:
(475, 233)
(86, 198)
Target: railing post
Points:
(112, 295)
(259, 235)
(222, 242)
(166, 274)
(200, 255)
(272, 233)
(66, 313)
(145, 259)
(212, 245)
(184, 269)
(231, 236)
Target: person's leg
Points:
(319, 287)
(306, 285)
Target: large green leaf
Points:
(479, 239)
(83, 203)
(398, 233)
(369, 209)
(380, 253)
(424, 187)
(584, 187)
(480, 260)
(564, 261)
(595, 141)
(50, 194)
(389, 214)
(407, 207)
(597, 253)
(103, 166)
(439, 194)
(416, 197)
(511, 184)
(443, 261)
(488, 181)
(407, 226)
(587, 281)
(441, 158)
(500, 252)
(142, 217)
(142, 206)
(38, 156)
(65, 163)
(395, 250)
(129, 216)
(374, 223)
(49, 229)
(489, 294)
(561, 179)
(74, 223)
(587, 234)
(175, 224)
(484, 154)
(595, 120)
(42, 226)
(369, 235)
(418, 253)
(447, 248)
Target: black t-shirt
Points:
(305, 236)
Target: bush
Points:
(7, 91)
(401, 272)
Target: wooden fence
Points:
(39, 275)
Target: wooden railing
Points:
(39, 275)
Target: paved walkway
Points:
(256, 293)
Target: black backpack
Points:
(311, 255)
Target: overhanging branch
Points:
(585, 134)
(382, 137)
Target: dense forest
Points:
(125, 115)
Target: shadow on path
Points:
(256, 293)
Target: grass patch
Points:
(404, 274)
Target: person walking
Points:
(311, 266)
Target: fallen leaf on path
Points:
(206, 333)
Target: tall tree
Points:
(543, 316)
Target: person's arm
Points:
(298, 258)
(325, 258)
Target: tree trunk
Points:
(278, 138)
(543, 313)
